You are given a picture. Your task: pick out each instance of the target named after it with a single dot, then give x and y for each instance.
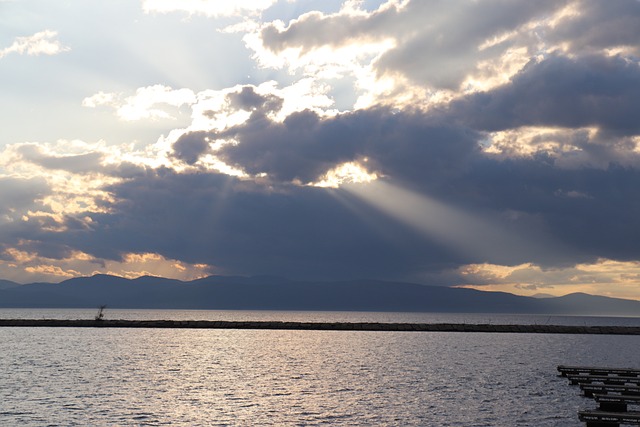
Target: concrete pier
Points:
(322, 326)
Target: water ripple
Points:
(155, 377)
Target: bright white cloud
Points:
(305, 94)
(212, 109)
(212, 8)
(42, 43)
(346, 173)
(325, 62)
(101, 98)
(148, 102)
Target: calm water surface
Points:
(320, 316)
(152, 377)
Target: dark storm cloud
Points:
(189, 147)
(559, 91)
(17, 196)
(46, 248)
(246, 228)
(81, 163)
(249, 228)
(593, 212)
(192, 145)
(446, 50)
(600, 25)
(242, 227)
(37, 234)
(305, 146)
(247, 99)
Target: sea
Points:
(195, 377)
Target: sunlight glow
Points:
(24, 265)
(570, 11)
(355, 58)
(346, 173)
(74, 188)
(620, 279)
(326, 61)
(570, 148)
(495, 72)
(212, 163)
(145, 104)
(528, 141)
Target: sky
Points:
(490, 144)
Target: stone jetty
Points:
(322, 326)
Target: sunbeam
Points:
(472, 236)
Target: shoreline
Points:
(323, 326)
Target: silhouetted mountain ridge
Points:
(276, 293)
(6, 284)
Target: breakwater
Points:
(322, 326)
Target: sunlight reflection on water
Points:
(77, 376)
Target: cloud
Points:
(55, 267)
(439, 57)
(216, 113)
(81, 163)
(549, 171)
(66, 159)
(558, 91)
(243, 227)
(601, 277)
(568, 148)
(250, 228)
(19, 196)
(593, 26)
(191, 146)
(422, 53)
(145, 104)
(346, 173)
(269, 225)
(306, 146)
(74, 173)
(272, 224)
(315, 30)
(41, 43)
(248, 99)
(411, 140)
(415, 46)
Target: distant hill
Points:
(542, 295)
(6, 284)
(273, 293)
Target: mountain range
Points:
(274, 293)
